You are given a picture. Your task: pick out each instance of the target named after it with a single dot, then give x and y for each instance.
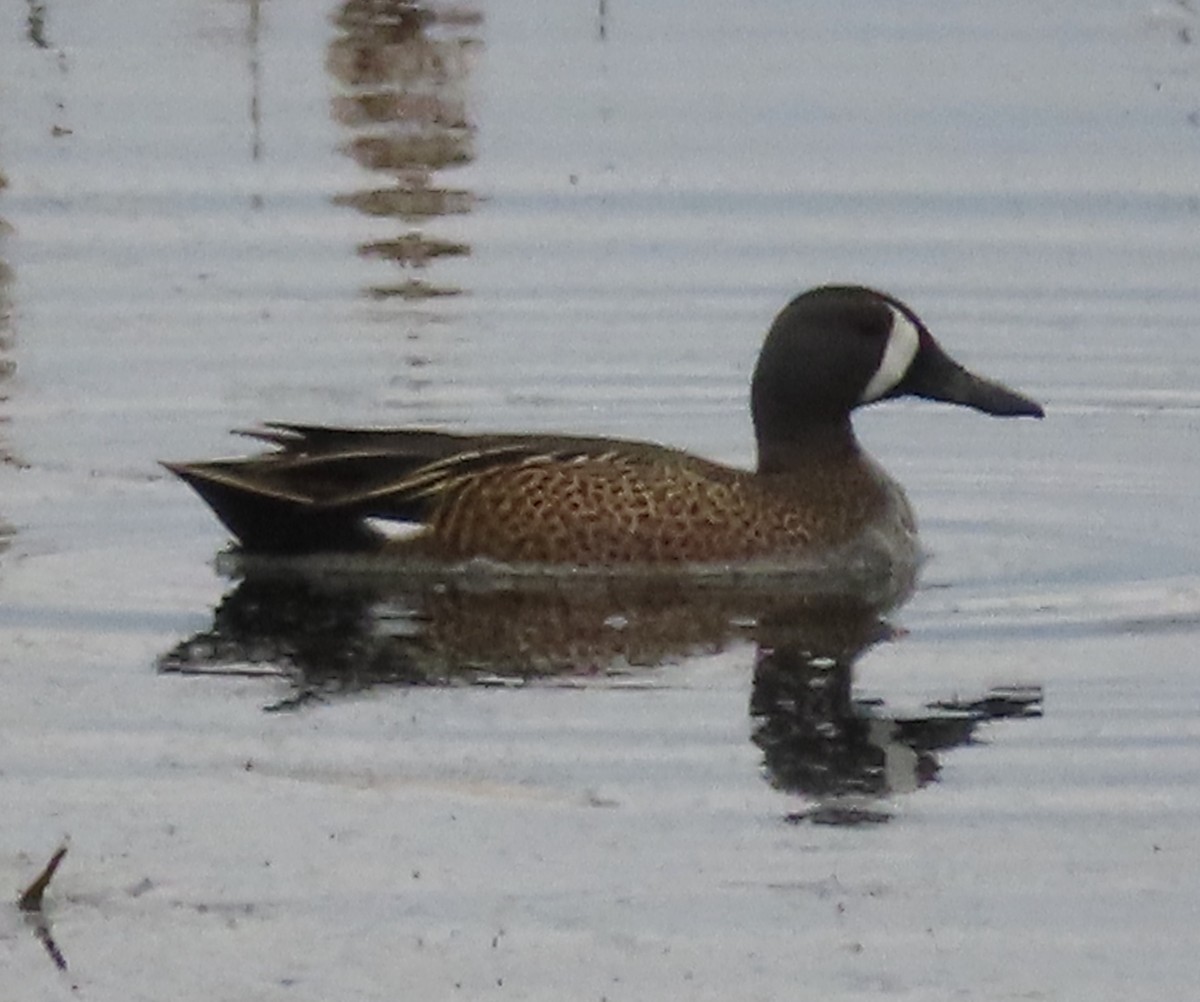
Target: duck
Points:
(595, 502)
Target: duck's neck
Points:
(817, 443)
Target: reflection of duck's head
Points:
(835, 348)
(609, 503)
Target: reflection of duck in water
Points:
(846, 756)
(605, 503)
(329, 632)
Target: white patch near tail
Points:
(903, 341)
(393, 530)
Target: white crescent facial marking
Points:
(903, 341)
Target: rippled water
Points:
(582, 218)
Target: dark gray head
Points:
(837, 347)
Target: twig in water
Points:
(31, 900)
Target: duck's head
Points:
(837, 347)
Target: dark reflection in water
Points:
(35, 24)
(330, 636)
(402, 69)
(846, 753)
(7, 365)
(254, 67)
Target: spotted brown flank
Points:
(616, 508)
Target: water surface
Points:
(582, 218)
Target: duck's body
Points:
(536, 499)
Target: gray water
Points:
(582, 217)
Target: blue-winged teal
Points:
(604, 502)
